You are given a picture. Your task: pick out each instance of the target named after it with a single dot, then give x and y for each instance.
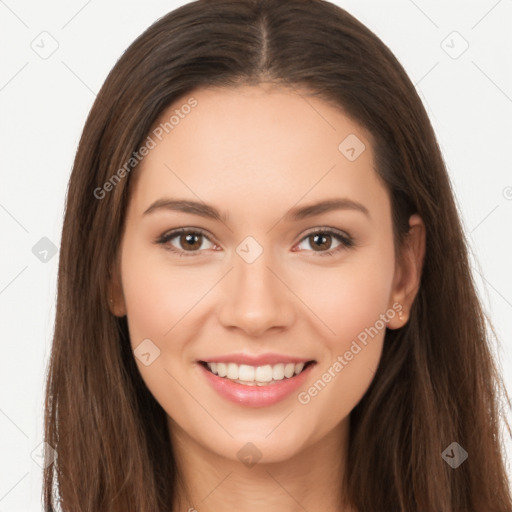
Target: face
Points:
(267, 279)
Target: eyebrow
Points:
(294, 214)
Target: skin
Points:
(254, 152)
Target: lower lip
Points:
(255, 396)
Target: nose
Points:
(256, 298)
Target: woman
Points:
(206, 353)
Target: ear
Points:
(116, 300)
(408, 270)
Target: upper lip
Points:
(256, 360)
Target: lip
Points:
(255, 360)
(255, 396)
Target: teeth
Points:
(232, 371)
(278, 371)
(246, 372)
(299, 367)
(289, 370)
(222, 369)
(263, 373)
(255, 375)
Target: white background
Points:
(43, 107)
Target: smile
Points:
(255, 386)
(256, 375)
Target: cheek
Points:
(350, 302)
(157, 295)
(158, 302)
(349, 298)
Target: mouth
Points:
(248, 375)
(256, 386)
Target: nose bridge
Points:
(255, 299)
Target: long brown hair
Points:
(437, 382)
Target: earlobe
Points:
(116, 305)
(116, 302)
(399, 317)
(408, 272)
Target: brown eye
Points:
(186, 242)
(320, 240)
(191, 241)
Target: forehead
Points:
(258, 146)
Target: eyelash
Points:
(347, 242)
